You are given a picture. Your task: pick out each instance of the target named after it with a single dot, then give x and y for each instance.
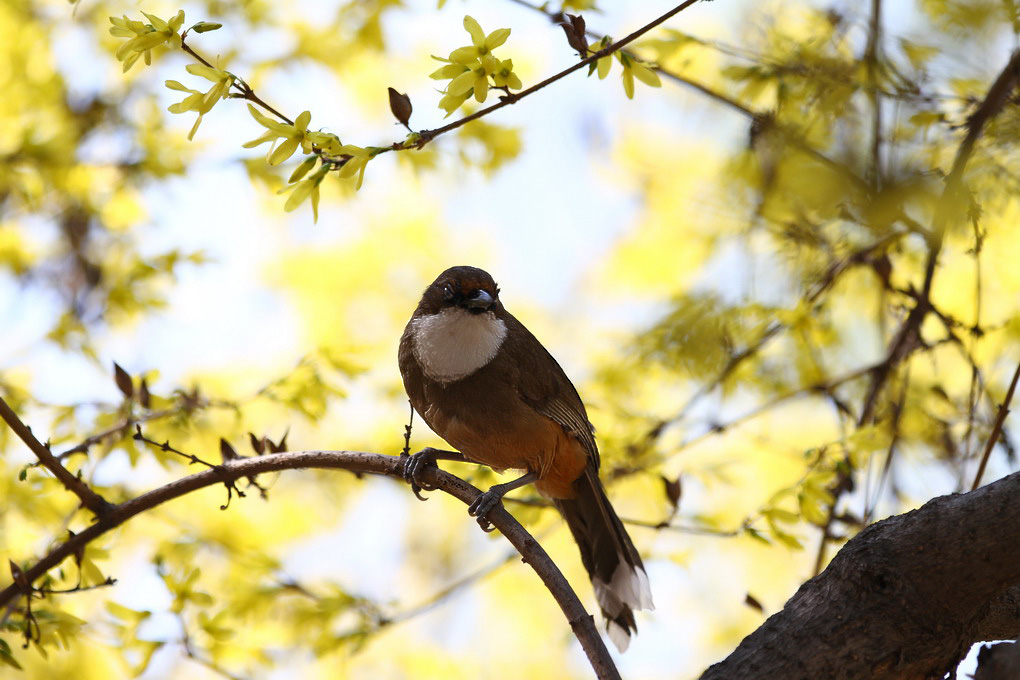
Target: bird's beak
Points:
(479, 300)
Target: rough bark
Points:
(903, 600)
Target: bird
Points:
(486, 385)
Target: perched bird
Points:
(487, 386)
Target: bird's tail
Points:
(615, 568)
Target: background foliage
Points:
(732, 267)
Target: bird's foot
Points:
(483, 504)
(414, 466)
(487, 500)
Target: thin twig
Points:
(425, 136)
(126, 424)
(832, 274)
(908, 336)
(871, 503)
(428, 135)
(1000, 418)
(789, 135)
(110, 581)
(665, 525)
(871, 60)
(245, 90)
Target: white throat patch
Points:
(455, 343)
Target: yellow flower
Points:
(307, 188)
(469, 68)
(326, 142)
(474, 79)
(201, 102)
(633, 68)
(480, 43)
(143, 37)
(292, 136)
(505, 76)
(451, 103)
(605, 63)
(302, 169)
(359, 158)
(451, 70)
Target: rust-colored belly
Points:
(522, 440)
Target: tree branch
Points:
(425, 136)
(906, 338)
(905, 599)
(788, 134)
(89, 498)
(582, 623)
(1000, 418)
(618, 45)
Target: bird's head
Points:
(468, 288)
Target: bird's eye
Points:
(447, 292)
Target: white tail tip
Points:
(619, 635)
(628, 587)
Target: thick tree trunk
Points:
(905, 599)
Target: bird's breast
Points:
(454, 343)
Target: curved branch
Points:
(89, 498)
(903, 600)
(582, 623)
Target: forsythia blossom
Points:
(305, 188)
(201, 102)
(292, 135)
(632, 67)
(143, 37)
(469, 68)
(359, 158)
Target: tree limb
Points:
(905, 599)
(907, 337)
(582, 623)
(89, 498)
(1000, 418)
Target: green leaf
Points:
(780, 515)
(6, 657)
(918, 55)
(925, 119)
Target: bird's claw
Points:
(483, 504)
(414, 465)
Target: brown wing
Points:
(544, 386)
(411, 373)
